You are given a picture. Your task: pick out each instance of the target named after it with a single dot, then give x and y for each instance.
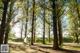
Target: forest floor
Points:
(18, 47)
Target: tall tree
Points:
(32, 36)
(8, 21)
(55, 44)
(26, 8)
(44, 24)
(60, 13)
(3, 21)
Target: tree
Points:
(44, 24)
(55, 44)
(26, 9)
(74, 20)
(9, 19)
(60, 13)
(3, 21)
(32, 36)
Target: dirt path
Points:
(37, 48)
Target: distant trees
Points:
(74, 21)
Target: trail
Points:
(37, 48)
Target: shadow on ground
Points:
(61, 49)
(39, 48)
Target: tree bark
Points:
(55, 44)
(44, 29)
(76, 38)
(7, 34)
(26, 38)
(3, 21)
(49, 34)
(34, 33)
(8, 22)
(22, 29)
(26, 18)
(44, 24)
(59, 32)
(77, 10)
(32, 37)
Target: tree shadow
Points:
(39, 50)
(73, 46)
(42, 46)
(60, 49)
(69, 51)
(15, 47)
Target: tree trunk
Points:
(3, 21)
(22, 29)
(49, 34)
(76, 38)
(26, 18)
(32, 37)
(59, 32)
(77, 10)
(7, 34)
(44, 29)
(55, 45)
(8, 22)
(34, 33)
(44, 24)
(26, 38)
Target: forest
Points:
(40, 26)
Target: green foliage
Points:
(40, 40)
(19, 40)
(68, 39)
